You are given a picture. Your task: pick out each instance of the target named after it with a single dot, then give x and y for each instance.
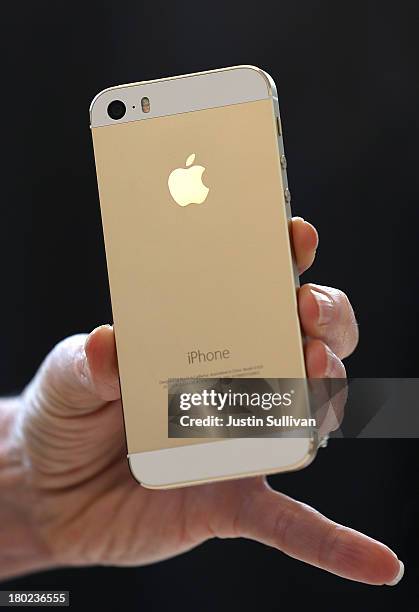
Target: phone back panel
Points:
(211, 277)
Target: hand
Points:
(69, 498)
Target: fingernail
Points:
(325, 305)
(317, 238)
(94, 331)
(399, 576)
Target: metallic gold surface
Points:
(212, 276)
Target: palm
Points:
(93, 504)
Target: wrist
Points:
(22, 549)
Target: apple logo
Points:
(185, 184)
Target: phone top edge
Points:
(184, 93)
(263, 73)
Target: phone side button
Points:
(287, 194)
(283, 162)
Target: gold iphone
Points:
(195, 211)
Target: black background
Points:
(347, 75)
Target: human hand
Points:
(70, 498)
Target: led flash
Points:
(145, 105)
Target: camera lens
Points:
(116, 109)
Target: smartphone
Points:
(196, 219)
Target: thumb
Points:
(303, 533)
(69, 425)
(79, 375)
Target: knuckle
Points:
(350, 338)
(345, 334)
(342, 301)
(244, 500)
(336, 368)
(283, 523)
(347, 310)
(328, 545)
(341, 333)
